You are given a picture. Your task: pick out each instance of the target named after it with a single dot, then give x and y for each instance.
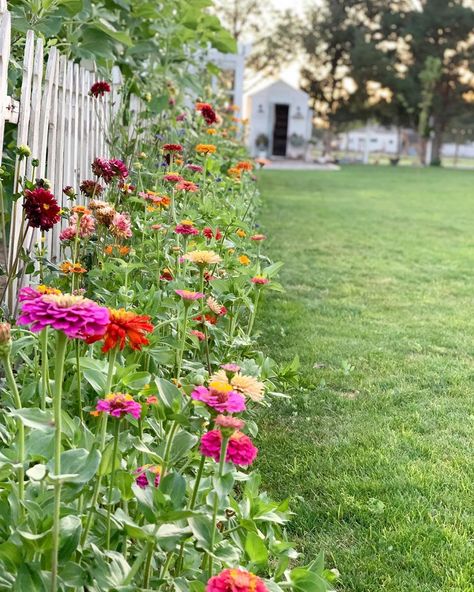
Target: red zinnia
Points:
(172, 148)
(98, 89)
(207, 112)
(125, 328)
(41, 208)
(187, 186)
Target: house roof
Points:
(265, 85)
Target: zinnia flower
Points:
(260, 280)
(247, 385)
(119, 405)
(195, 168)
(207, 112)
(125, 328)
(244, 260)
(244, 165)
(199, 334)
(186, 227)
(99, 88)
(209, 234)
(202, 257)
(101, 168)
(235, 580)
(172, 148)
(41, 208)
(206, 148)
(240, 449)
(166, 275)
(217, 308)
(142, 478)
(77, 317)
(228, 422)
(220, 396)
(189, 294)
(187, 186)
(173, 178)
(118, 167)
(120, 226)
(258, 237)
(67, 267)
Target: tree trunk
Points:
(437, 141)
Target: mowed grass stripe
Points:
(376, 445)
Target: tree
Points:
(240, 17)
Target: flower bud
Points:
(5, 339)
(69, 192)
(23, 151)
(35, 162)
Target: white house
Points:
(371, 138)
(280, 120)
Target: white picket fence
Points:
(63, 126)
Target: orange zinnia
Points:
(126, 328)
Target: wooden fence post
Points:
(5, 39)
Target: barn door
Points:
(280, 130)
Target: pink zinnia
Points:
(233, 368)
(187, 186)
(77, 317)
(120, 226)
(142, 478)
(189, 294)
(173, 178)
(186, 228)
(240, 449)
(235, 580)
(199, 334)
(258, 237)
(229, 422)
(260, 280)
(181, 117)
(220, 396)
(119, 405)
(195, 168)
(68, 233)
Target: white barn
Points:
(280, 121)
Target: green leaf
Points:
(168, 393)
(70, 528)
(202, 528)
(34, 418)
(80, 464)
(119, 36)
(256, 549)
(174, 485)
(10, 555)
(137, 380)
(182, 444)
(304, 580)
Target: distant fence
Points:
(57, 119)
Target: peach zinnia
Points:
(202, 257)
(206, 148)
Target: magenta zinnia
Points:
(220, 396)
(142, 477)
(119, 405)
(240, 449)
(236, 580)
(189, 294)
(77, 317)
(41, 208)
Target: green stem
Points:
(78, 375)
(164, 468)
(112, 479)
(254, 313)
(44, 367)
(225, 440)
(20, 429)
(197, 482)
(57, 408)
(179, 361)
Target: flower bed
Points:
(129, 413)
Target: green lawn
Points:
(376, 446)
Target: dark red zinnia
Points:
(172, 148)
(208, 113)
(119, 168)
(41, 208)
(99, 88)
(91, 188)
(101, 168)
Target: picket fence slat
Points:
(62, 124)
